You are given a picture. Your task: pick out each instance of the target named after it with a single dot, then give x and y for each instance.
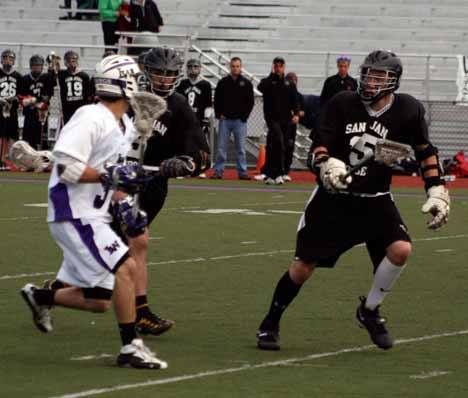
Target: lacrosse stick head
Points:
(148, 107)
(25, 157)
(6, 109)
(389, 152)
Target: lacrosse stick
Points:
(25, 157)
(6, 108)
(148, 107)
(386, 152)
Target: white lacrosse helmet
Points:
(116, 77)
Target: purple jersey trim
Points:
(59, 197)
(87, 237)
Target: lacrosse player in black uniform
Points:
(346, 211)
(178, 147)
(199, 96)
(9, 85)
(75, 86)
(197, 91)
(35, 93)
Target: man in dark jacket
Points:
(339, 82)
(281, 110)
(234, 100)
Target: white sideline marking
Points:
(21, 218)
(444, 250)
(157, 238)
(429, 375)
(19, 276)
(176, 379)
(285, 211)
(199, 259)
(249, 242)
(90, 357)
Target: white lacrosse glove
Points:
(437, 204)
(332, 172)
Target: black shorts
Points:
(333, 224)
(153, 198)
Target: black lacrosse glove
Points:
(178, 166)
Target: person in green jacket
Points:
(109, 12)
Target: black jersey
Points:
(198, 94)
(9, 88)
(348, 129)
(176, 132)
(75, 91)
(40, 87)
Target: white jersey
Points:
(92, 136)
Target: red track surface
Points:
(306, 176)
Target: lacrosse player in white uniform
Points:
(86, 175)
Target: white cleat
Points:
(41, 313)
(137, 355)
(270, 181)
(260, 177)
(286, 178)
(279, 180)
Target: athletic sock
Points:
(44, 296)
(142, 307)
(127, 332)
(385, 277)
(284, 294)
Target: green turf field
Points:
(214, 273)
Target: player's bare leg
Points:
(286, 290)
(387, 273)
(147, 321)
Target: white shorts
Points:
(91, 252)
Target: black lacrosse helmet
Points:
(163, 67)
(380, 75)
(8, 58)
(36, 59)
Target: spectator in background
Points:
(109, 12)
(234, 100)
(145, 16)
(290, 139)
(281, 110)
(339, 82)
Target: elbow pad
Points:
(69, 169)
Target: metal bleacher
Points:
(427, 34)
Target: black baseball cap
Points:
(279, 60)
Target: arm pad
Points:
(69, 169)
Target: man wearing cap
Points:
(339, 82)
(280, 109)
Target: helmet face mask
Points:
(163, 67)
(163, 82)
(36, 64)
(193, 68)
(375, 84)
(71, 60)
(8, 60)
(380, 76)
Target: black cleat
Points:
(268, 336)
(375, 325)
(153, 324)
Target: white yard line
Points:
(229, 257)
(91, 357)
(201, 375)
(429, 375)
(19, 276)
